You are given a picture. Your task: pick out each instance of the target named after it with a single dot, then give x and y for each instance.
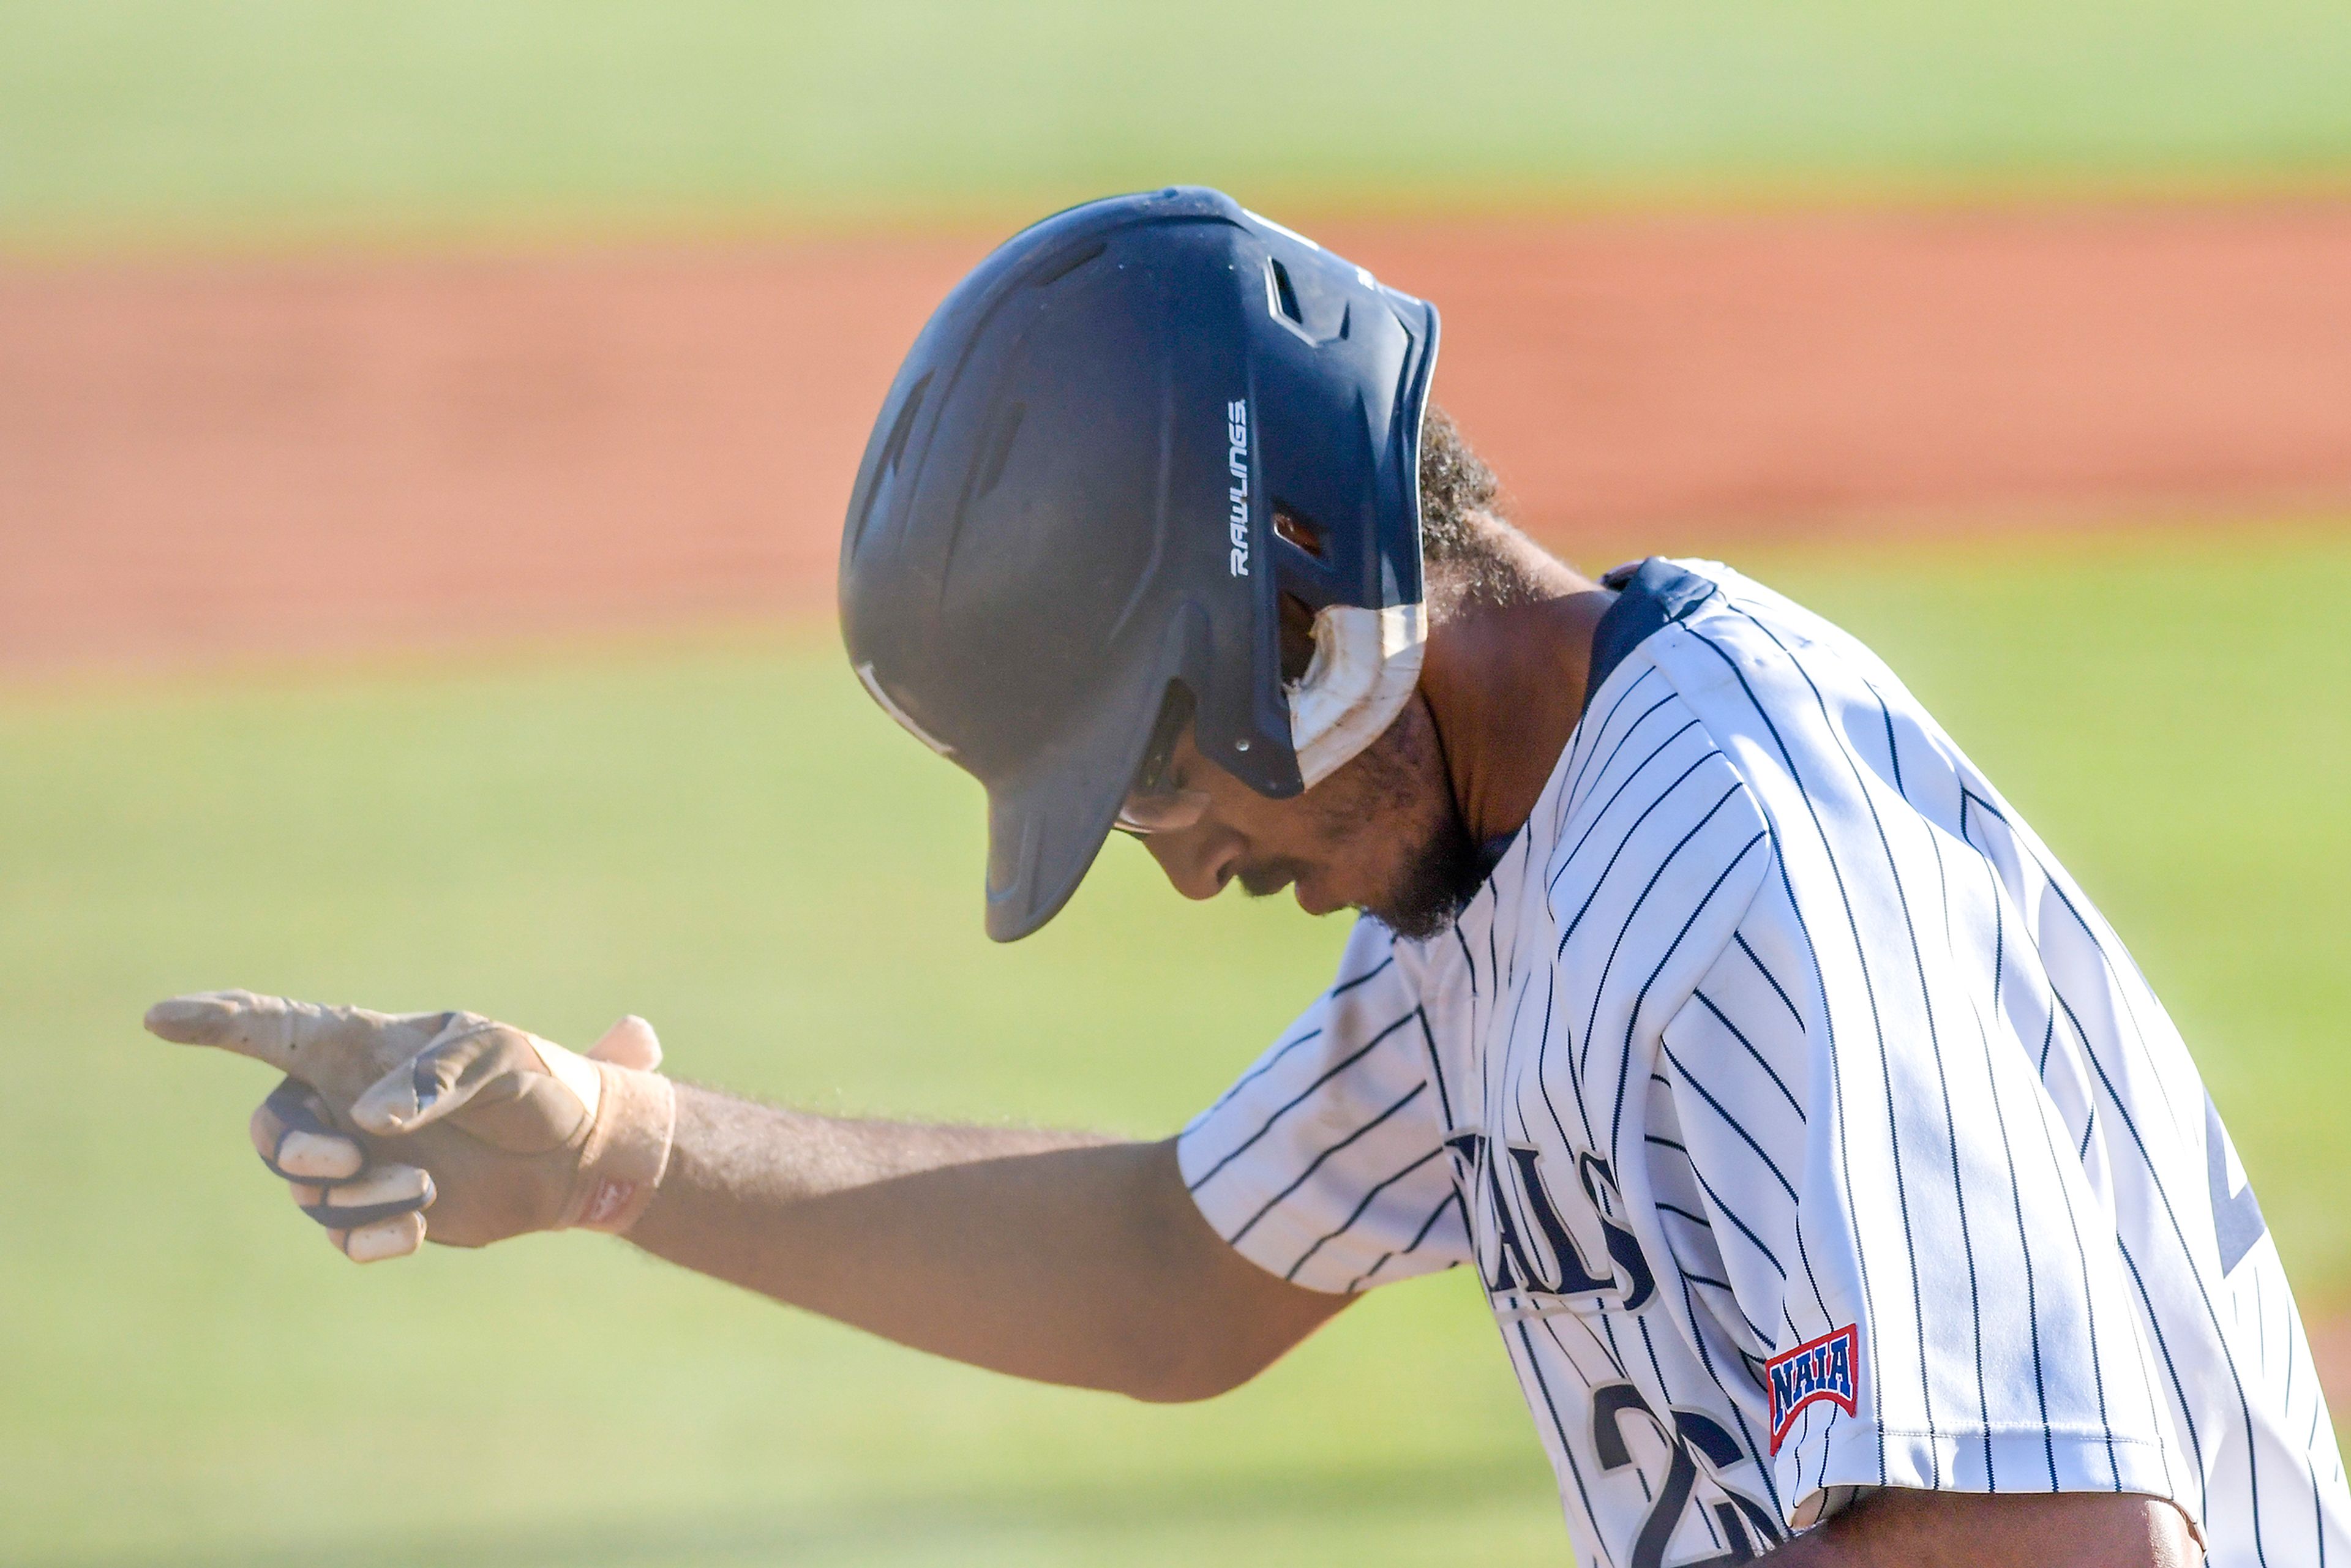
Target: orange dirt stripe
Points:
(351, 453)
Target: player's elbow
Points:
(1190, 1372)
(1219, 1338)
(1199, 1320)
(1180, 1391)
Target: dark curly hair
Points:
(1471, 552)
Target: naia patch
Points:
(1818, 1369)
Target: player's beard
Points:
(1396, 794)
(1408, 800)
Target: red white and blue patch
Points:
(1817, 1369)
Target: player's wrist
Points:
(627, 1151)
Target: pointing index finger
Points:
(267, 1028)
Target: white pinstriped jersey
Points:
(1809, 1128)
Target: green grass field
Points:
(727, 838)
(238, 122)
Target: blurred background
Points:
(423, 432)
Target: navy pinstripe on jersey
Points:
(1809, 1129)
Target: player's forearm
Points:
(1055, 1256)
(1902, 1529)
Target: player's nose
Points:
(1198, 861)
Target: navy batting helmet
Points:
(1064, 527)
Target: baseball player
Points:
(1842, 1192)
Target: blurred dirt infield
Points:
(347, 451)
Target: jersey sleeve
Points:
(1878, 1211)
(1325, 1163)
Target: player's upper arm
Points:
(1900, 1240)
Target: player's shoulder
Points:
(1719, 626)
(1673, 648)
(1752, 668)
(1744, 648)
(1673, 681)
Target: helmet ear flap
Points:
(1347, 670)
(1365, 666)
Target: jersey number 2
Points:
(1693, 1437)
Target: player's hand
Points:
(493, 1130)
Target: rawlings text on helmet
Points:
(1237, 463)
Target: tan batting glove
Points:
(494, 1130)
